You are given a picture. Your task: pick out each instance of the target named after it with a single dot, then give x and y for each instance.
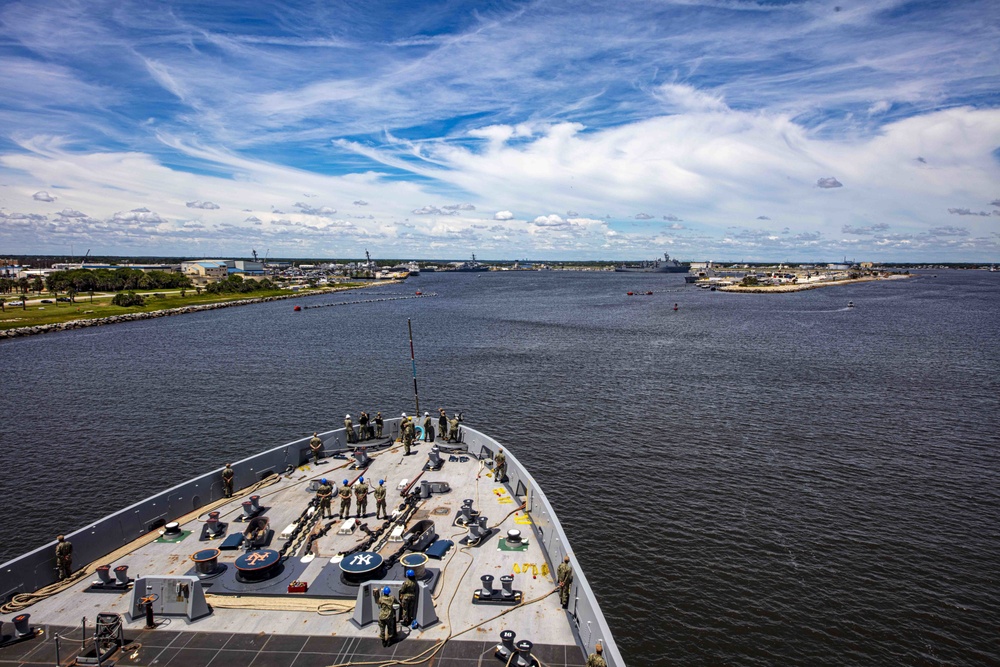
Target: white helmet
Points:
(427, 414)
(347, 416)
(404, 414)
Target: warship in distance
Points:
(665, 265)
(199, 577)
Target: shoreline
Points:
(784, 289)
(37, 329)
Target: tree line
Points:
(113, 280)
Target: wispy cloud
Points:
(888, 111)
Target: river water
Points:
(748, 480)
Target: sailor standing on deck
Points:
(408, 598)
(564, 575)
(227, 481)
(64, 557)
(379, 494)
(428, 428)
(442, 424)
(315, 447)
(378, 424)
(345, 500)
(349, 426)
(406, 426)
(363, 425)
(324, 493)
(361, 497)
(386, 615)
(597, 659)
(453, 427)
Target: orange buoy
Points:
(297, 308)
(419, 293)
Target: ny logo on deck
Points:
(362, 559)
(257, 557)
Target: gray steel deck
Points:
(302, 638)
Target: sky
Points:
(705, 129)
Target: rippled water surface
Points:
(750, 480)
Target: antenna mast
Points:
(413, 362)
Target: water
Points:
(750, 480)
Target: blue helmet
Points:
(345, 481)
(381, 482)
(386, 590)
(410, 573)
(361, 479)
(323, 481)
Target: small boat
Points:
(850, 304)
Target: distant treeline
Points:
(235, 284)
(113, 280)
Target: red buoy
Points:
(649, 294)
(675, 306)
(297, 308)
(628, 293)
(419, 293)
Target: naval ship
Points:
(665, 265)
(190, 577)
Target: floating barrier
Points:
(360, 301)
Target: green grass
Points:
(83, 309)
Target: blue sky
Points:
(718, 130)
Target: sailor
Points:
(500, 466)
(453, 428)
(227, 481)
(408, 598)
(442, 424)
(349, 425)
(378, 424)
(597, 659)
(64, 557)
(428, 428)
(408, 431)
(361, 497)
(363, 425)
(564, 575)
(386, 615)
(315, 447)
(324, 493)
(379, 493)
(345, 500)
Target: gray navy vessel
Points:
(189, 577)
(665, 265)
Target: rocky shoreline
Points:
(132, 317)
(780, 289)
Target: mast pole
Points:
(413, 362)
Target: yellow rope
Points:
(318, 605)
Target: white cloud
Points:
(360, 202)
(503, 215)
(427, 210)
(967, 211)
(829, 182)
(143, 215)
(71, 213)
(459, 207)
(42, 195)
(643, 216)
(202, 204)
